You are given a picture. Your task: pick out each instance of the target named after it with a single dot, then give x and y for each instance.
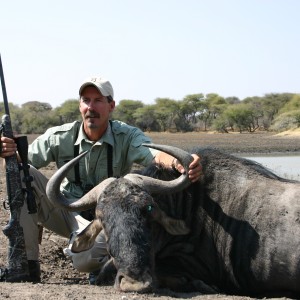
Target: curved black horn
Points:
(156, 186)
(184, 157)
(57, 198)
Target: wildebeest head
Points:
(125, 210)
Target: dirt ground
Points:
(61, 281)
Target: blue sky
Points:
(149, 48)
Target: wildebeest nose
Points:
(129, 284)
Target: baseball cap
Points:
(102, 84)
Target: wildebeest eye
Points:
(149, 208)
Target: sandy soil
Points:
(61, 281)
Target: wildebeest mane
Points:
(227, 160)
(169, 203)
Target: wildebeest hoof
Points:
(107, 274)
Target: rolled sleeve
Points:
(48, 146)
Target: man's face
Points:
(95, 108)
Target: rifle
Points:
(17, 269)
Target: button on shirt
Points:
(57, 145)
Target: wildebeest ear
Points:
(86, 238)
(171, 225)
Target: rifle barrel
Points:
(3, 88)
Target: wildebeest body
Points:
(245, 228)
(243, 237)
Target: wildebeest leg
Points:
(86, 238)
(172, 282)
(181, 284)
(176, 269)
(204, 288)
(107, 274)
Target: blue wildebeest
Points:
(236, 231)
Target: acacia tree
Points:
(190, 107)
(294, 107)
(289, 115)
(145, 118)
(256, 104)
(273, 103)
(241, 115)
(292, 104)
(68, 111)
(216, 104)
(166, 110)
(221, 124)
(125, 110)
(212, 106)
(37, 117)
(232, 100)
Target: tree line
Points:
(195, 112)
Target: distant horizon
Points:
(117, 102)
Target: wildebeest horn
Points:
(58, 199)
(149, 184)
(156, 186)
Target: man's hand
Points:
(8, 147)
(195, 168)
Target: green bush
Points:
(286, 121)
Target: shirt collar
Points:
(106, 138)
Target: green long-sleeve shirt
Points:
(57, 145)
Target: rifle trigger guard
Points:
(29, 178)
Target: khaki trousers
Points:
(61, 222)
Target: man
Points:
(114, 147)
